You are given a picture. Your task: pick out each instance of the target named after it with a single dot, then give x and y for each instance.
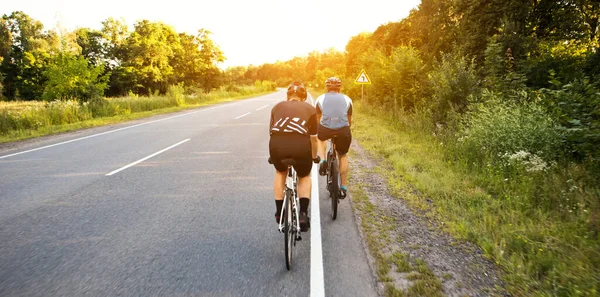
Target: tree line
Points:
(113, 61)
(445, 53)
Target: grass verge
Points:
(391, 263)
(541, 254)
(125, 111)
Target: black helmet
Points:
(333, 83)
(298, 89)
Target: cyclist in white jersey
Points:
(334, 112)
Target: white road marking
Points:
(262, 107)
(111, 131)
(317, 283)
(146, 158)
(242, 115)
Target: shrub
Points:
(500, 128)
(451, 83)
(176, 94)
(577, 106)
(73, 77)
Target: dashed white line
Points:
(262, 107)
(146, 158)
(317, 283)
(242, 115)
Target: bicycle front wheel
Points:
(335, 188)
(289, 227)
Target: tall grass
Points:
(25, 118)
(540, 223)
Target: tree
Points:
(147, 57)
(195, 61)
(24, 51)
(93, 45)
(72, 76)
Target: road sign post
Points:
(362, 79)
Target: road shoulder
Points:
(409, 254)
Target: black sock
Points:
(278, 205)
(304, 204)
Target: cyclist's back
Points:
(335, 108)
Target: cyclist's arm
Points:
(314, 144)
(312, 130)
(319, 114)
(350, 114)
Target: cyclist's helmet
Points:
(333, 83)
(298, 89)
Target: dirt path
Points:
(409, 254)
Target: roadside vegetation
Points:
(25, 119)
(494, 119)
(55, 80)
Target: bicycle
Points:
(289, 224)
(333, 177)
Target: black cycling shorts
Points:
(291, 145)
(343, 138)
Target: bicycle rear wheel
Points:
(335, 188)
(289, 229)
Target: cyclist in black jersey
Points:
(293, 131)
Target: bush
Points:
(498, 128)
(269, 85)
(577, 106)
(73, 77)
(176, 94)
(450, 85)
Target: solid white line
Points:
(146, 158)
(242, 115)
(111, 131)
(317, 283)
(262, 107)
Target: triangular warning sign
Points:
(363, 78)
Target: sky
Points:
(248, 32)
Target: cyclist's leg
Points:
(275, 149)
(303, 167)
(322, 144)
(342, 146)
(323, 134)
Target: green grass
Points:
(374, 233)
(24, 120)
(402, 262)
(377, 227)
(391, 291)
(542, 252)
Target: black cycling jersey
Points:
(294, 117)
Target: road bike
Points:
(333, 176)
(289, 224)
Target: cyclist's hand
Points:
(317, 160)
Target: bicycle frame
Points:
(291, 184)
(331, 154)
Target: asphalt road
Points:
(193, 220)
